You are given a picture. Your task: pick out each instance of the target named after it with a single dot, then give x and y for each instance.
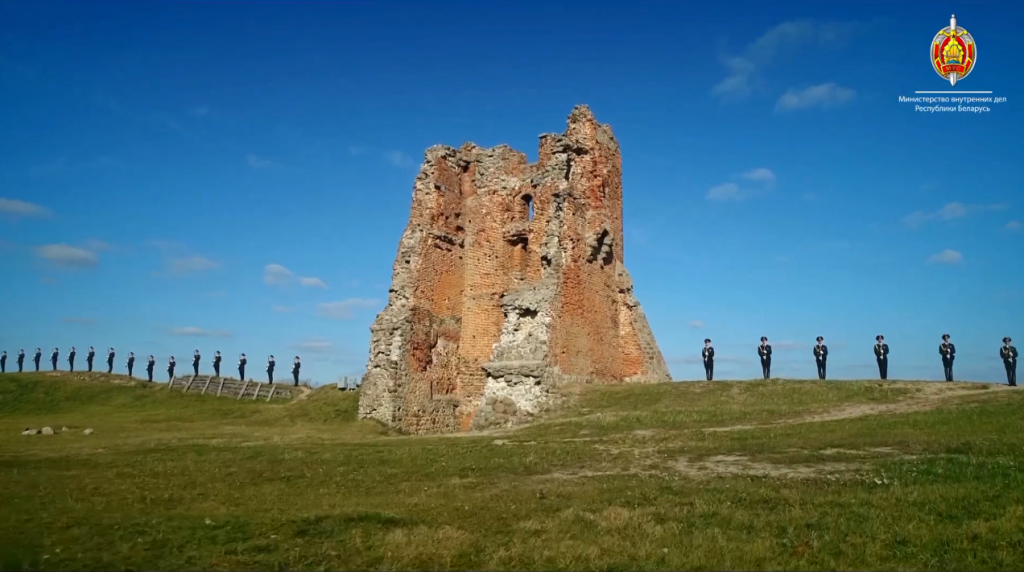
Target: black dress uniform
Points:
(270, 370)
(948, 352)
(765, 351)
(241, 367)
(707, 353)
(110, 360)
(21, 360)
(130, 364)
(821, 357)
(71, 359)
(882, 356)
(150, 364)
(1009, 355)
(36, 358)
(296, 366)
(170, 369)
(216, 364)
(53, 358)
(195, 362)
(89, 357)
(3, 362)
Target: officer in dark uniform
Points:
(170, 369)
(36, 358)
(948, 352)
(195, 362)
(130, 364)
(707, 353)
(21, 360)
(270, 369)
(1009, 355)
(216, 364)
(765, 352)
(90, 356)
(296, 366)
(3, 362)
(150, 364)
(882, 356)
(53, 358)
(241, 367)
(821, 357)
(71, 359)
(110, 360)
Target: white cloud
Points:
(697, 324)
(398, 159)
(313, 346)
(192, 264)
(66, 255)
(276, 275)
(344, 309)
(760, 174)
(14, 207)
(257, 162)
(744, 74)
(195, 332)
(1012, 225)
(826, 95)
(946, 257)
(725, 192)
(951, 211)
(311, 282)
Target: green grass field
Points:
(718, 475)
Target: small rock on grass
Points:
(88, 431)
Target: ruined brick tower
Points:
(509, 281)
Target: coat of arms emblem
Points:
(953, 52)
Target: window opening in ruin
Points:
(529, 206)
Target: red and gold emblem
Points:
(953, 52)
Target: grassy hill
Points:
(719, 475)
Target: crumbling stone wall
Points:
(509, 282)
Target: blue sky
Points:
(156, 157)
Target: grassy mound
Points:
(723, 475)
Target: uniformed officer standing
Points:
(882, 356)
(241, 367)
(707, 353)
(71, 359)
(150, 364)
(170, 369)
(21, 360)
(216, 364)
(53, 358)
(36, 358)
(948, 352)
(1009, 355)
(821, 357)
(3, 362)
(296, 366)
(90, 356)
(195, 362)
(765, 351)
(130, 364)
(270, 370)
(110, 360)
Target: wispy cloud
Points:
(67, 255)
(823, 96)
(282, 309)
(313, 346)
(257, 162)
(398, 159)
(745, 71)
(725, 192)
(192, 331)
(946, 257)
(345, 309)
(760, 174)
(951, 211)
(697, 324)
(192, 265)
(18, 208)
(312, 282)
(276, 275)
(761, 181)
(1012, 225)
